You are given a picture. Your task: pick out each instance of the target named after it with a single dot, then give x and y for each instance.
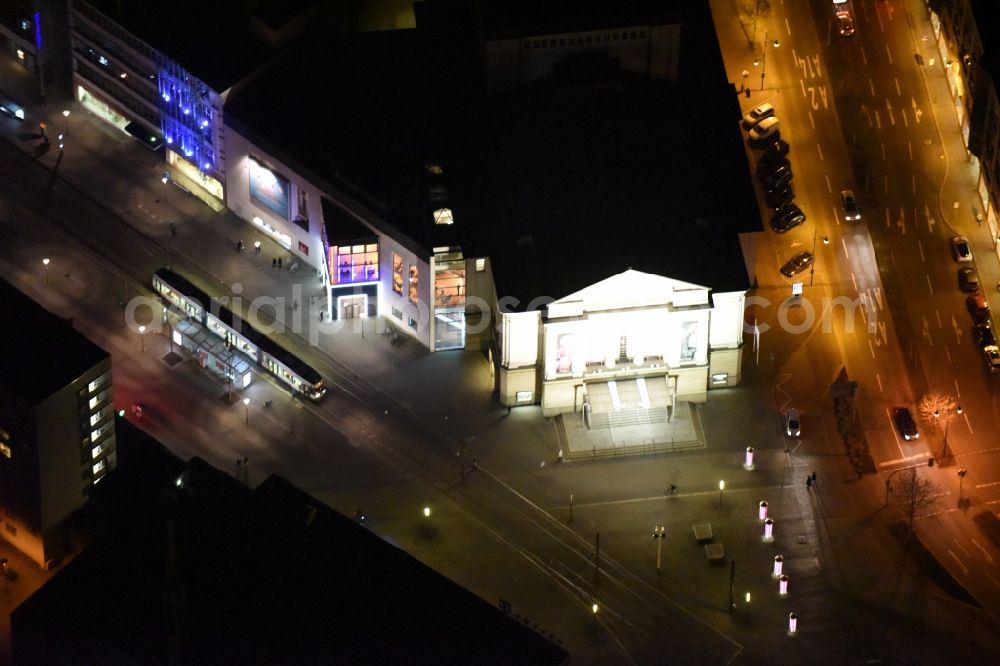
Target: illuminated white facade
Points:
(674, 335)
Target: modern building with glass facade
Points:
(57, 425)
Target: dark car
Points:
(852, 211)
(779, 198)
(978, 307)
(905, 424)
(777, 178)
(779, 148)
(768, 164)
(984, 335)
(797, 264)
(968, 279)
(787, 219)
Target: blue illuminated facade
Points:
(187, 115)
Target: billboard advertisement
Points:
(269, 189)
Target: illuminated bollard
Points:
(793, 624)
(762, 511)
(783, 585)
(768, 531)
(748, 462)
(778, 562)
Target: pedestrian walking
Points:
(279, 262)
(747, 93)
(274, 262)
(321, 315)
(295, 305)
(813, 477)
(809, 483)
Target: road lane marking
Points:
(802, 84)
(958, 393)
(887, 223)
(909, 147)
(992, 578)
(929, 283)
(988, 485)
(962, 548)
(913, 184)
(888, 109)
(905, 458)
(811, 120)
(820, 149)
(836, 215)
(986, 555)
(879, 380)
(788, 28)
(965, 570)
(871, 348)
(871, 88)
(892, 427)
(864, 56)
(854, 281)
(916, 110)
(888, 53)
(898, 91)
(968, 424)
(921, 246)
(881, 145)
(829, 188)
(881, 28)
(937, 315)
(844, 243)
(980, 452)
(885, 183)
(905, 121)
(947, 353)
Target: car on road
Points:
(757, 114)
(797, 264)
(961, 250)
(765, 129)
(778, 148)
(779, 198)
(768, 165)
(968, 279)
(905, 424)
(787, 219)
(852, 211)
(778, 178)
(984, 335)
(845, 22)
(792, 426)
(991, 355)
(978, 307)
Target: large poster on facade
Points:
(564, 354)
(689, 340)
(414, 284)
(269, 189)
(397, 273)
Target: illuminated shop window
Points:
(480, 265)
(356, 263)
(99, 467)
(96, 451)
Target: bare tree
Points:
(937, 410)
(911, 495)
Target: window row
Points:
(588, 39)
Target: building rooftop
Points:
(40, 353)
(214, 572)
(987, 16)
(523, 18)
(560, 186)
(215, 41)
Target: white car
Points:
(792, 426)
(765, 129)
(757, 114)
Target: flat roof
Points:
(213, 40)
(523, 18)
(40, 352)
(214, 572)
(559, 186)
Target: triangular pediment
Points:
(631, 289)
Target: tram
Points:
(239, 334)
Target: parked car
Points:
(968, 279)
(768, 165)
(991, 355)
(905, 424)
(777, 178)
(765, 129)
(978, 307)
(792, 426)
(845, 22)
(797, 264)
(757, 114)
(984, 335)
(852, 211)
(961, 250)
(787, 219)
(778, 148)
(779, 198)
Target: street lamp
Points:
(246, 407)
(722, 486)
(427, 512)
(763, 62)
(659, 533)
(142, 341)
(593, 613)
(45, 263)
